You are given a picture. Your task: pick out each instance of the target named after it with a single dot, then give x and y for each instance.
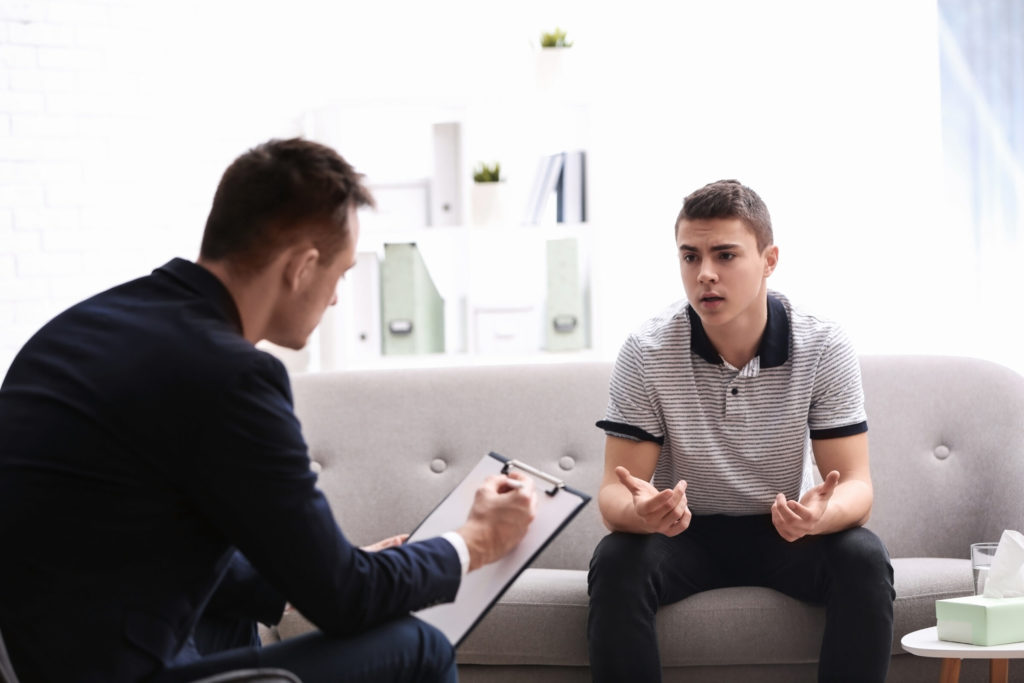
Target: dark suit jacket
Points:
(142, 439)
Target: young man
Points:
(707, 481)
(149, 449)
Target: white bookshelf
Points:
(493, 277)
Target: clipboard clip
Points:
(555, 482)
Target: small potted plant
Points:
(554, 39)
(487, 205)
(551, 60)
(487, 174)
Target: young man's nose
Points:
(707, 276)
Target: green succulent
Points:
(487, 174)
(554, 39)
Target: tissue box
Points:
(981, 621)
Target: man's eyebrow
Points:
(717, 247)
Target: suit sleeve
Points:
(257, 488)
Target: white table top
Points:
(926, 643)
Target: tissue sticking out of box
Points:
(1006, 574)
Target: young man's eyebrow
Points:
(717, 247)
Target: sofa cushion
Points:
(947, 452)
(542, 619)
(920, 581)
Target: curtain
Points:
(981, 47)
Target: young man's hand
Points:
(663, 512)
(503, 508)
(795, 520)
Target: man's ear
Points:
(299, 268)
(771, 259)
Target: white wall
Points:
(117, 118)
(829, 110)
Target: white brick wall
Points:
(117, 118)
(45, 149)
(91, 193)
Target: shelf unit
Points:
(493, 278)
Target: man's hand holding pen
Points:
(503, 508)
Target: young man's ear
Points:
(299, 267)
(771, 259)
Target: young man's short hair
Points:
(276, 194)
(730, 199)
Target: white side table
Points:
(926, 643)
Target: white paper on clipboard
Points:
(557, 504)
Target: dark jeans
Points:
(632, 575)
(404, 650)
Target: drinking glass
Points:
(981, 559)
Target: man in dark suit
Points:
(146, 445)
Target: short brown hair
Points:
(276, 194)
(730, 199)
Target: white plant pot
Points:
(487, 203)
(555, 69)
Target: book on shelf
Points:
(362, 339)
(572, 189)
(545, 184)
(563, 175)
(447, 190)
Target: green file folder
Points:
(564, 323)
(412, 310)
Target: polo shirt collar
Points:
(205, 284)
(773, 350)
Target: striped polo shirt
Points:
(737, 436)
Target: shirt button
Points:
(735, 391)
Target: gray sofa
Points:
(947, 450)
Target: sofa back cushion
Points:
(946, 438)
(392, 443)
(947, 452)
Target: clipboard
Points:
(557, 504)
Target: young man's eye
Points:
(689, 258)
(726, 256)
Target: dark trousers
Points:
(215, 634)
(632, 575)
(404, 650)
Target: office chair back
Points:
(242, 676)
(6, 668)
